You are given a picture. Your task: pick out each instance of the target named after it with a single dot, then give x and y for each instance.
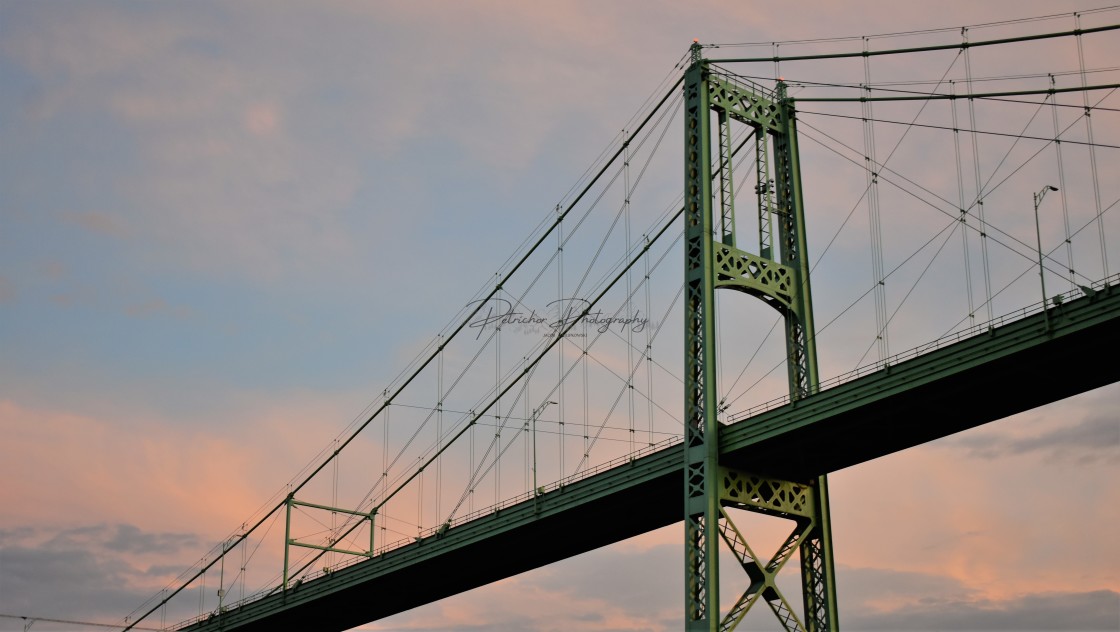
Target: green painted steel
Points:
(818, 569)
(781, 283)
(289, 541)
(917, 398)
(701, 426)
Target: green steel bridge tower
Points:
(779, 276)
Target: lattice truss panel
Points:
(773, 497)
(758, 276)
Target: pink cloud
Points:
(262, 119)
(1001, 527)
(146, 471)
(156, 306)
(8, 291)
(92, 470)
(98, 223)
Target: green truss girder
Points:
(744, 105)
(765, 495)
(758, 276)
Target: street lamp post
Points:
(533, 420)
(1038, 236)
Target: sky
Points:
(225, 228)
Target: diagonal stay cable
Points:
(1084, 226)
(462, 324)
(995, 171)
(603, 332)
(913, 286)
(964, 129)
(880, 165)
(850, 306)
(993, 227)
(540, 356)
(513, 372)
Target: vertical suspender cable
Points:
(470, 469)
(528, 446)
(498, 408)
(385, 470)
(721, 232)
(334, 503)
(1092, 149)
(979, 186)
(560, 305)
(873, 213)
(962, 208)
(586, 397)
(1062, 184)
(244, 546)
(649, 349)
(439, 428)
(629, 286)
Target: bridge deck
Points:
(1008, 369)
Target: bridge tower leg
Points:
(778, 275)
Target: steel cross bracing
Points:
(782, 283)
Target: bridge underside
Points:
(997, 374)
(1009, 369)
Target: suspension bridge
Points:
(556, 413)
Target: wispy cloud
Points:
(103, 569)
(8, 291)
(1086, 432)
(882, 599)
(635, 590)
(1085, 441)
(1047, 611)
(98, 223)
(114, 473)
(120, 538)
(624, 589)
(156, 306)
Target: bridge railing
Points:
(457, 521)
(943, 341)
